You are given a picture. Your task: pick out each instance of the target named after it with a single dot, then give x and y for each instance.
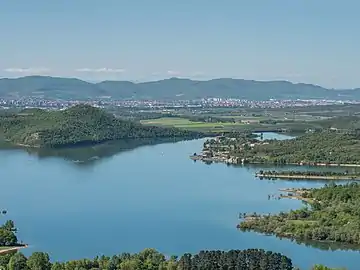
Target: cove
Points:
(84, 202)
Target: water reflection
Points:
(326, 246)
(89, 155)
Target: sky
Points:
(311, 41)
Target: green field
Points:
(184, 123)
(187, 124)
(300, 123)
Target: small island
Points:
(308, 175)
(323, 148)
(77, 125)
(332, 215)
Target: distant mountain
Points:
(168, 89)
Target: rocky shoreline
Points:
(307, 177)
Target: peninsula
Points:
(333, 216)
(328, 175)
(325, 148)
(78, 125)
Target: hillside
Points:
(319, 147)
(81, 124)
(168, 89)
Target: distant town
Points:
(36, 102)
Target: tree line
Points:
(150, 259)
(308, 173)
(153, 260)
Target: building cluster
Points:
(200, 103)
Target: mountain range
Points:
(168, 89)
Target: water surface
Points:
(151, 196)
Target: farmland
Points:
(179, 122)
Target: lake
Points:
(116, 198)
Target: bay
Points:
(123, 197)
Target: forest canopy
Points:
(318, 147)
(80, 124)
(7, 234)
(153, 260)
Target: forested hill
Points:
(168, 89)
(325, 147)
(81, 124)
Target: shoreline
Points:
(296, 194)
(297, 197)
(307, 177)
(232, 158)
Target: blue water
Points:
(151, 196)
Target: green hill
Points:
(78, 125)
(168, 89)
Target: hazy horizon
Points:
(306, 41)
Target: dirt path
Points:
(4, 251)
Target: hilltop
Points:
(167, 89)
(78, 125)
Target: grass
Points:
(185, 123)
(240, 117)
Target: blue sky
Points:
(313, 41)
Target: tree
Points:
(58, 266)
(39, 261)
(7, 238)
(5, 258)
(18, 262)
(130, 265)
(9, 225)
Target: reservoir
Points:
(123, 197)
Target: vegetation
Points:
(291, 119)
(319, 147)
(322, 267)
(195, 124)
(153, 260)
(81, 124)
(333, 215)
(7, 234)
